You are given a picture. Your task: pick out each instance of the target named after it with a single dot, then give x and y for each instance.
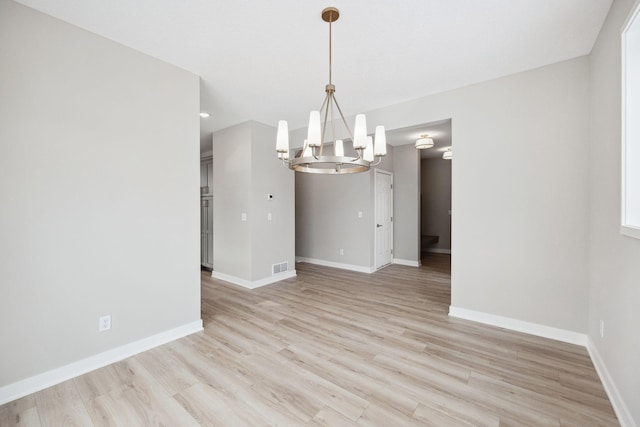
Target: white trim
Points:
(630, 231)
(438, 251)
(626, 229)
(623, 124)
(351, 267)
(632, 15)
(256, 283)
(55, 376)
(621, 410)
(406, 262)
(520, 326)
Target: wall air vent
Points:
(279, 268)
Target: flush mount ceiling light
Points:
(205, 115)
(424, 142)
(447, 155)
(313, 157)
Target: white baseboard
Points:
(255, 283)
(55, 376)
(406, 262)
(620, 408)
(438, 251)
(520, 326)
(351, 267)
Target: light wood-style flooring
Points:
(334, 348)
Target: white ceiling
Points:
(268, 60)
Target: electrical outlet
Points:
(601, 328)
(341, 251)
(104, 323)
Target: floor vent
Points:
(279, 268)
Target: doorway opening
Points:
(435, 198)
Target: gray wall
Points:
(98, 194)
(231, 198)
(406, 203)
(435, 186)
(246, 169)
(327, 220)
(326, 214)
(271, 241)
(614, 270)
(519, 244)
(232, 195)
(520, 235)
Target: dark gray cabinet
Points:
(206, 213)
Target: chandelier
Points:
(315, 156)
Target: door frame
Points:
(375, 204)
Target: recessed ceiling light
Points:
(205, 115)
(424, 142)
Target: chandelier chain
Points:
(330, 21)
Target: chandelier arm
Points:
(346, 125)
(326, 115)
(377, 161)
(322, 107)
(326, 98)
(333, 128)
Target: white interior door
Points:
(384, 218)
